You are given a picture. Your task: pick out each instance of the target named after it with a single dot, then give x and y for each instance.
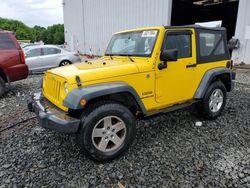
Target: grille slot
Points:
(53, 88)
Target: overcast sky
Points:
(33, 12)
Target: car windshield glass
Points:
(27, 48)
(138, 43)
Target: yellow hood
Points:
(95, 70)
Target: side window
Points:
(51, 51)
(58, 51)
(6, 42)
(180, 42)
(34, 52)
(211, 44)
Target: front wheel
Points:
(64, 63)
(106, 131)
(214, 101)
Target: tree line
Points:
(51, 35)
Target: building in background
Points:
(242, 32)
(89, 24)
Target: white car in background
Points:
(40, 58)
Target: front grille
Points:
(52, 88)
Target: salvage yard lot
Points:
(169, 150)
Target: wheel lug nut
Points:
(112, 136)
(113, 130)
(106, 137)
(103, 132)
(108, 128)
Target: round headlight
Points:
(66, 88)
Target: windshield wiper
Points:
(110, 56)
(130, 58)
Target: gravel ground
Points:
(169, 150)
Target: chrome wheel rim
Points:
(65, 63)
(109, 133)
(216, 100)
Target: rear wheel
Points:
(106, 131)
(2, 87)
(64, 63)
(214, 101)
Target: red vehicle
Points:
(12, 61)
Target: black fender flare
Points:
(207, 79)
(72, 100)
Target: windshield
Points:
(27, 48)
(138, 43)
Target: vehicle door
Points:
(174, 83)
(9, 55)
(50, 57)
(33, 59)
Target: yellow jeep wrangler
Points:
(144, 72)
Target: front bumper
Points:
(50, 117)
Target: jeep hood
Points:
(95, 70)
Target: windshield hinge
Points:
(78, 81)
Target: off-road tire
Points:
(2, 87)
(90, 119)
(203, 108)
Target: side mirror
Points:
(169, 55)
(233, 43)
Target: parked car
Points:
(12, 61)
(144, 72)
(40, 58)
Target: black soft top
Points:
(197, 27)
(214, 30)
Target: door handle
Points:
(191, 66)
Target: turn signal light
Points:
(83, 102)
